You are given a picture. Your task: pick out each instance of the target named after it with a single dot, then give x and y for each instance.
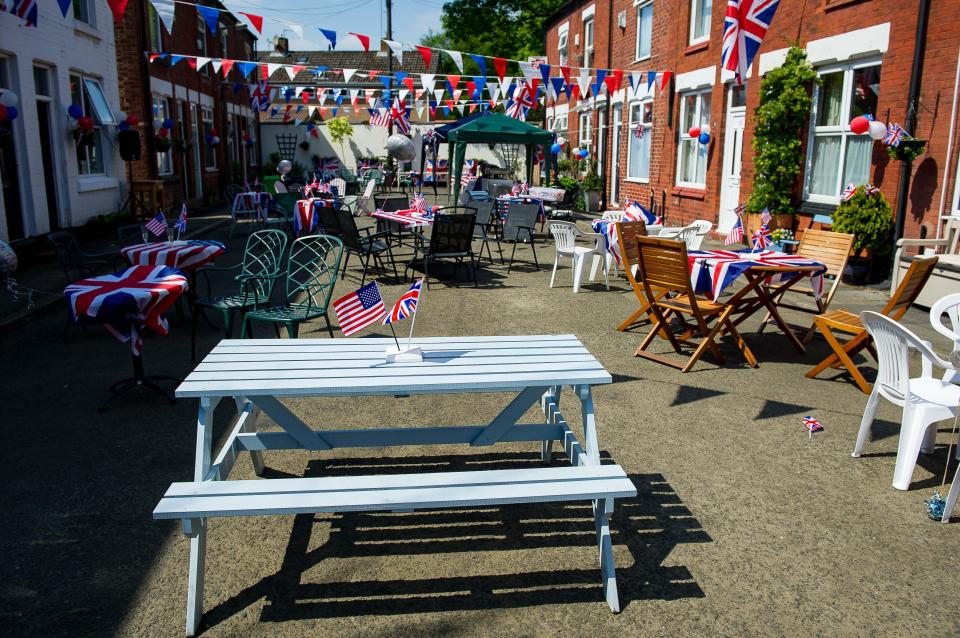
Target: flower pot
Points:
(592, 200)
(857, 271)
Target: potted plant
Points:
(592, 184)
(867, 216)
(907, 150)
(782, 239)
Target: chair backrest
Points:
(950, 306)
(263, 259)
(287, 202)
(347, 230)
(484, 211)
(340, 184)
(519, 218)
(829, 248)
(703, 229)
(564, 235)
(130, 234)
(627, 233)
(910, 288)
(389, 202)
(452, 234)
(616, 215)
(329, 218)
(68, 251)
(368, 191)
(687, 234)
(279, 187)
(892, 342)
(312, 271)
(663, 264)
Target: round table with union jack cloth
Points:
(185, 255)
(128, 303)
(406, 218)
(768, 275)
(305, 217)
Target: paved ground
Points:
(743, 525)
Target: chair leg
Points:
(276, 328)
(473, 268)
(577, 271)
(366, 263)
(556, 260)
(244, 322)
(346, 260)
(913, 428)
(869, 413)
(841, 353)
(533, 247)
(228, 324)
(329, 327)
(742, 344)
(293, 329)
(512, 253)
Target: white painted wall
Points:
(63, 45)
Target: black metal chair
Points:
(364, 246)
(329, 221)
(451, 238)
(130, 234)
(75, 263)
(486, 228)
(519, 228)
(389, 202)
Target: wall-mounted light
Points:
(622, 20)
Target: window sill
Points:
(213, 169)
(694, 47)
(641, 59)
(90, 183)
(85, 29)
(830, 5)
(690, 192)
(636, 180)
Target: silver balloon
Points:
(284, 167)
(8, 259)
(401, 147)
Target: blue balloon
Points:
(704, 138)
(555, 149)
(584, 153)
(123, 125)
(168, 123)
(75, 111)
(11, 113)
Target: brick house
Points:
(197, 101)
(863, 51)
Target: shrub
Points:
(869, 218)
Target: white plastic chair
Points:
(364, 202)
(691, 235)
(950, 306)
(565, 235)
(615, 215)
(925, 399)
(340, 184)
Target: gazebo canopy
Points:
(496, 128)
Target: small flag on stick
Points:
(157, 226)
(359, 309)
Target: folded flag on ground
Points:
(359, 309)
(812, 425)
(157, 226)
(406, 305)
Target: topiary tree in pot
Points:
(868, 216)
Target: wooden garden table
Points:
(257, 373)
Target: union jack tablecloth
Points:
(183, 255)
(608, 228)
(408, 218)
(306, 218)
(127, 300)
(712, 271)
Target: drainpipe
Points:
(147, 117)
(604, 167)
(913, 97)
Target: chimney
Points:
(282, 45)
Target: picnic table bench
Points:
(255, 373)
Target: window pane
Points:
(866, 89)
(738, 96)
(856, 163)
(831, 98)
(689, 112)
(701, 18)
(644, 154)
(826, 165)
(704, 108)
(644, 30)
(101, 110)
(633, 148)
(688, 160)
(41, 80)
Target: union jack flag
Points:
(26, 10)
(870, 189)
(638, 131)
(157, 226)
(712, 271)
(848, 192)
(406, 305)
(331, 167)
(735, 236)
(419, 203)
(181, 224)
(744, 28)
(761, 238)
(895, 133)
(259, 95)
(400, 117)
(812, 425)
(522, 102)
(634, 212)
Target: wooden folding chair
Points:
(832, 250)
(627, 233)
(849, 323)
(663, 270)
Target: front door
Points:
(10, 181)
(46, 153)
(732, 161)
(615, 152)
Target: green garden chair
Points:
(281, 210)
(311, 273)
(262, 259)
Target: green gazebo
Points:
(496, 128)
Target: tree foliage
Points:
(778, 158)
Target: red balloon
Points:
(85, 122)
(3, 112)
(163, 132)
(133, 120)
(694, 131)
(213, 132)
(860, 125)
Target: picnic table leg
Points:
(550, 404)
(589, 424)
(250, 426)
(602, 509)
(198, 541)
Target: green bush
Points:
(592, 182)
(784, 109)
(869, 218)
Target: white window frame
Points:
(161, 106)
(695, 10)
(209, 152)
(585, 127)
(631, 127)
(640, 5)
(684, 137)
(588, 42)
(563, 44)
(559, 124)
(100, 143)
(84, 11)
(842, 129)
(201, 36)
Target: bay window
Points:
(691, 154)
(835, 155)
(644, 28)
(638, 147)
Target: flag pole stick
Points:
(414, 319)
(394, 335)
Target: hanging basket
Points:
(907, 150)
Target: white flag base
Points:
(404, 355)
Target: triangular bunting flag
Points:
(651, 78)
(216, 65)
(192, 63)
(565, 72)
(500, 65)
(438, 93)
(164, 9)
(601, 74)
(426, 79)
(457, 58)
(426, 53)
(505, 84)
(246, 68)
(418, 94)
(545, 72)
(364, 40)
(481, 62)
(347, 74)
(297, 69)
(613, 81)
(408, 82)
(557, 86)
(117, 7)
(202, 62)
(452, 82)
(396, 48)
(211, 16)
(255, 21)
(331, 37)
(666, 79)
(65, 7)
(527, 69)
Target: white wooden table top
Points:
(338, 367)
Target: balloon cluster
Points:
(866, 124)
(161, 125)
(213, 137)
(82, 125)
(557, 146)
(700, 133)
(247, 141)
(8, 106)
(581, 153)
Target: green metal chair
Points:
(262, 261)
(281, 210)
(311, 273)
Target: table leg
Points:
(138, 379)
(602, 509)
(250, 426)
(585, 395)
(198, 542)
(550, 404)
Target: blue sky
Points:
(411, 20)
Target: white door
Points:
(732, 161)
(601, 139)
(615, 148)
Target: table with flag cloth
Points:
(305, 219)
(608, 228)
(768, 273)
(128, 303)
(406, 218)
(185, 255)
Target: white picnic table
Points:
(257, 373)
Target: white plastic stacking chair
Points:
(950, 306)
(565, 235)
(340, 184)
(925, 400)
(687, 234)
(703, 229)
(615, 215)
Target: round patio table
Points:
(128, 303)
(185, 255)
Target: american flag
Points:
(419, 203)
(26, 10)
(894, 135)
(761, 238)
(812, 425)
(157, 226)
(181, 224)
(848, 192)
(735, 236)
(380, 114)
(406, 305)
(744, 28)
(359, 309)
(522, 101)
(765, 216)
